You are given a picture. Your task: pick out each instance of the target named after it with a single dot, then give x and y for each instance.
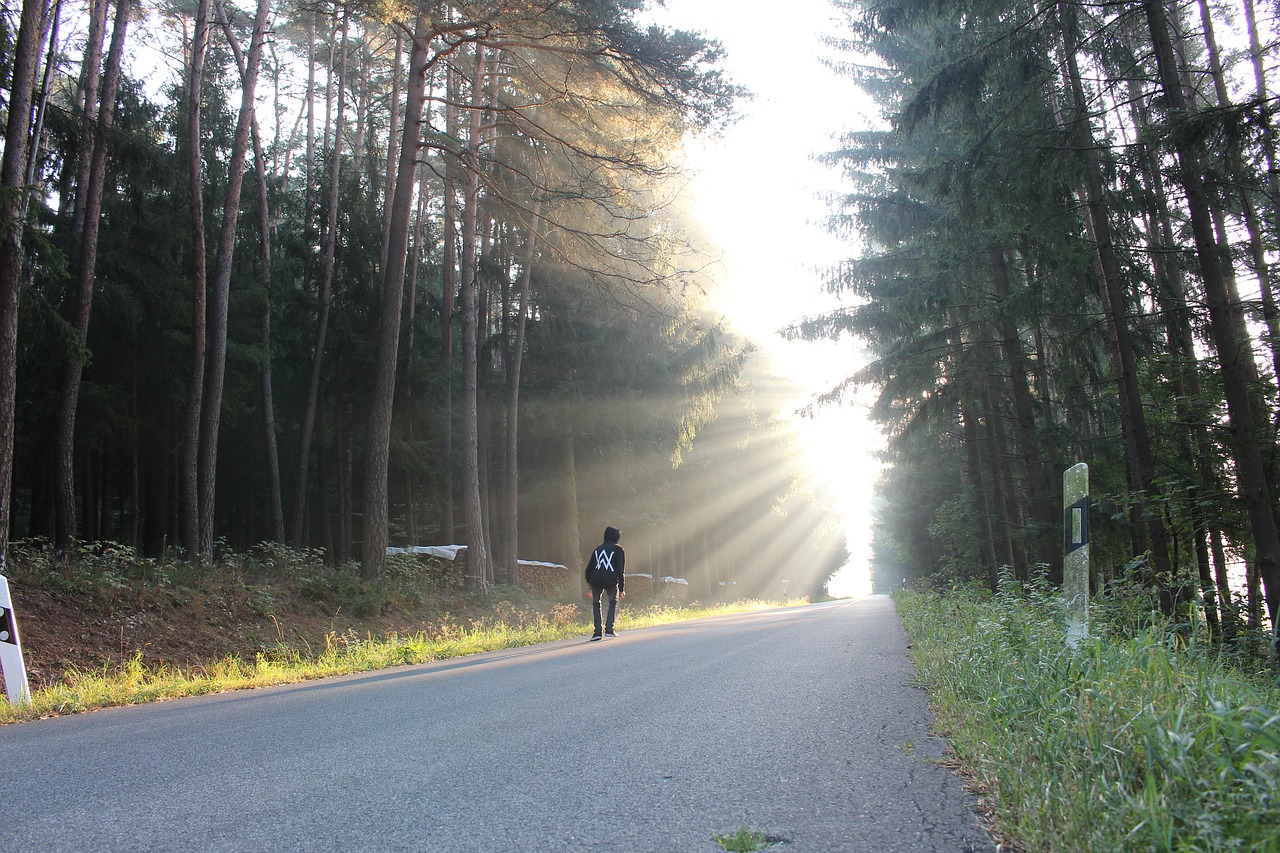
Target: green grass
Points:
(743, 840)
(133, 682)
(1141, 739)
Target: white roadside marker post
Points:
(1075, 561)
(11, 664)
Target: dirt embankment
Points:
(83, 629)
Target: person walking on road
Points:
(605, 575)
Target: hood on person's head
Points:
(612, 534)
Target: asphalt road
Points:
(800, 723)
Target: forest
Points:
(356, 275)
(1065, 231)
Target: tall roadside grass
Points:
(1140, 739)
(134, 682)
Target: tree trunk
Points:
(268, 395)
(478, 558)
(190, 467)
(326, 297)
(485, 415)
(342, 458)
(157, 476)
(264, 238)
(46, 85)
(449, 288)
(571, 555)
(13, 170)
(1261, 94)
(1008, 516)
(1040, 492)
(81, 300)
(87, 99)
(1221, 573)
(324, 512)
(973, 451)
(211, 414)
(311, 122)
(415, 256)
(973, 458)
(394, 114)
(374, 534)
(360, 97)
(511, 488)
(1252, 219)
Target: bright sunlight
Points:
(759, 194)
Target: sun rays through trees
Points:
(374, 275)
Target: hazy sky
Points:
(757, 195)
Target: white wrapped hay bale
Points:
(675, 590)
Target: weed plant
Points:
(744, 839)
(1146, 738)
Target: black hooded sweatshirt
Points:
(609, 546)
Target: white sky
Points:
(756, 194)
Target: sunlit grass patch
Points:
(1141, 739)
(133, 682)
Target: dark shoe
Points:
(610, 634)
(595, 638)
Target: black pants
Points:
(596, 593)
